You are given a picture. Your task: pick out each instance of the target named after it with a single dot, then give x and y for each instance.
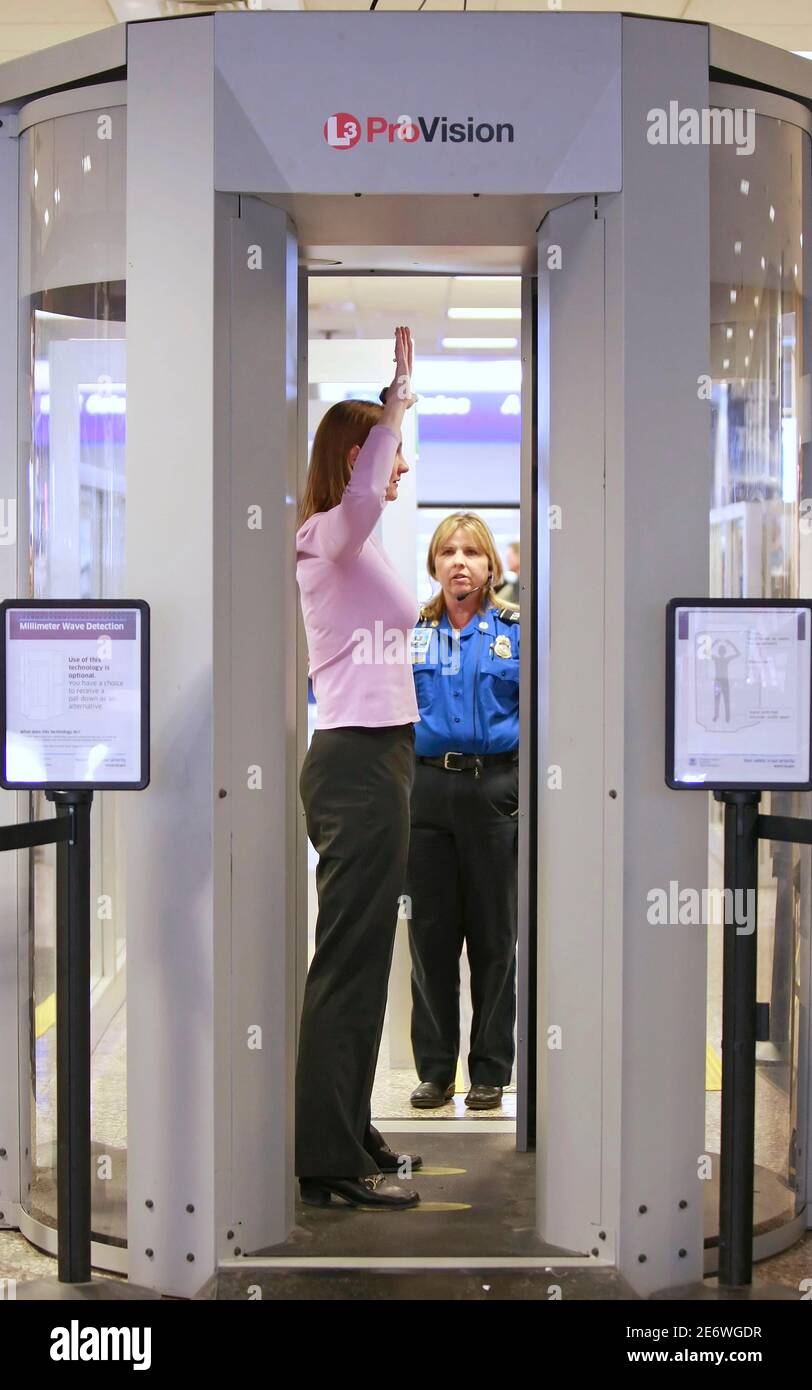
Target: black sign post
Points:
(738, 1136)
(73, 1036)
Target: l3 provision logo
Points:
(343, 131)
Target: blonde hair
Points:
(481, 533)
(345, 424)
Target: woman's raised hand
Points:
(401, 387)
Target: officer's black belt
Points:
(464, 762)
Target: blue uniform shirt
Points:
(467, 684)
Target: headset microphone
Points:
(461, 597)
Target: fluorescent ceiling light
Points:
(484, 313)
(479, 342)
(131, 10)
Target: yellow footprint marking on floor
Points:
(429, 1206)
(45, 1016)
(442, 1206)
(713, 1069)
(433, 1170)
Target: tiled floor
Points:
(392, 1088)
(108, 1126)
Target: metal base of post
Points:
(98, 1290)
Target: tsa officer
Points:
(463, 856)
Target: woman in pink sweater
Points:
(355, 785)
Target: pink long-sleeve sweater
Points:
(358, 614)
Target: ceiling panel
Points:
(29, 25)
(733, 14)
(369, 306)
(795, 37)
(16, 40)
(56, 12)
(361, 306)
(661, 9)
(379, 293)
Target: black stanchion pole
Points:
(73, 1037)
(738, 1039)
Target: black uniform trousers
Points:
(355, 785)
(463, 884)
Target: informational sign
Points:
(74, 691)
(738, 713)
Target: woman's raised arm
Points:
(343, 530)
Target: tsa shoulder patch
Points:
(421, 641)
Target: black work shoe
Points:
(370, 1191)
(428, 1095)
(484, 1097)
(387, 1160)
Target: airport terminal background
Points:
(463, 443)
